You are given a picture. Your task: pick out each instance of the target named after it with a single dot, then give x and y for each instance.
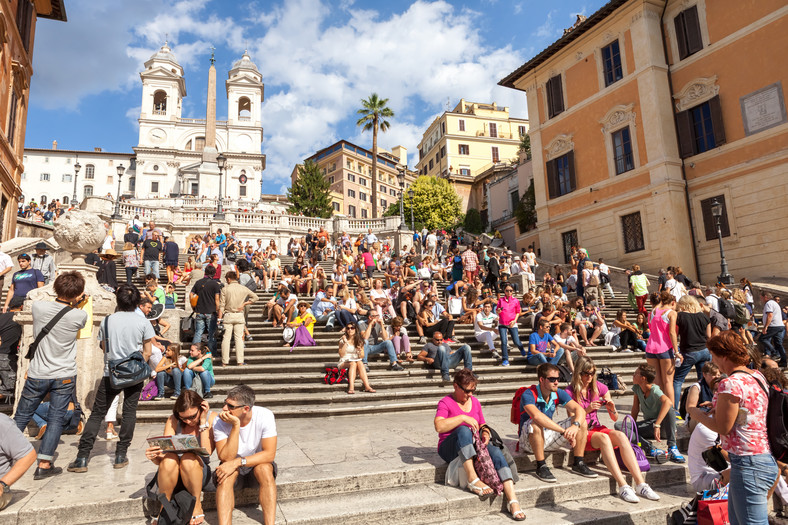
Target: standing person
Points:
(6, 265)
(208, 292)
(660, 352)
(120, 335)
(53, 368)
(639, 284)
(493, 273)
(107, 273)
(245, 437)
(233, 299)
(171, 251)
(151, 249)
(17, 455)
(509, 312)
(742, 393)
(470, 262)
(773, 331)
(22, 282)
(604, 277)
(131, 260)
(694, 329)
(10, 334)
(44, 262)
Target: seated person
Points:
(485, 327)
(702, 438)
(351, 352)
(169, 372)
(283, 309)
(539, 433)
(400, 339)
(378, 340)
(323, 308)
(542, 348)
(458, 416)
(659, 418)
(17, 455)
(700, 394)
(73, 418)
(592, 396)
(245, 437)
(566, 339)
(303, 319)
(585, 322)
(627, 334)
(434, 318)
(438, 354)
(187, 470)
(200, 363)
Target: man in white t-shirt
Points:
(702, 475)
(773, 331)
(566, 339)
(245, 437)
(432, 244)
(485, 327)
(6, 265)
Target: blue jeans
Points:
(60, 391)
(460, 443)
(41, 416)
(383, 347)
(773, 343)
(206, 378)
(696, 359)
(446, 362)
(503, 330)
(537, 359)
(751, 479)
(343, 317)
(203, 322)
(152, 267)
(175, 381)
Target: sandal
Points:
(370, 390)
(197, 520)
(479, 491)
(516, 516)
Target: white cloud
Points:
(547, 29)
(133, 114)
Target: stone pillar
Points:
(78, 232)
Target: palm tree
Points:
(375, 112)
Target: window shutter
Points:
(709, 225)
(570, 161)
(716, 120)
(558, 98)
(681, 35)
(692, 27)
(684, 128)
(552, 179)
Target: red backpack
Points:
(514, 415)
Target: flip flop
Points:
(370, 390)
(200, 519)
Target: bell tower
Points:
(163, 89)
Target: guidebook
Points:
(178, 443)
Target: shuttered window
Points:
(555, 96)
(561, 175)
(709, 224)
(688, 35)
(700, 128)
(495, 155)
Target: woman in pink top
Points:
(457, 417)
(659, 349)
(508, 313)
(369, 265)
(739, 417)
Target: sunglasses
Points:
(592, 372)
(189, 418)
(552, 379)
(350, 328)
(233, 407)
(467, 390)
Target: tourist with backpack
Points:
(592, 396)
(773, 331)
(740, 418)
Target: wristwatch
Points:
(6, 488)
(243, 462)
(576, 423)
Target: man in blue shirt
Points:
(323, 309)
(542, 348)
(22, 282)
(540, 434)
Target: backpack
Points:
(776, 418)
(335, 375)
(726, 308)
(250, 283)
(640, 456)
(594, 279)
(683, 403)
(149, 391)
(742, 316)
(514, 415)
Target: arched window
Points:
(160, 103)
(244, 109)
(88, 191)
(65, 199)
(43, 200)
(188, 146)
(90, 172)
(199, 144)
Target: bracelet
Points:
(205, 427)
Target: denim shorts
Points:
(667, 354)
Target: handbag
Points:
(31, 350)
(640, 455)
(176, 510)
(714, 458)
(455, 305)
(187, 328)
(609, 379)
(713, 512)
(127, 371)
(484, 467)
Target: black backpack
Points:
(683, 403)
(726, 308)
(776, 418)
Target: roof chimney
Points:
(54, 144)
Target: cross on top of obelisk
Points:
(213, 60)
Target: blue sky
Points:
(318, 58)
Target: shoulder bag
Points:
(126, 371)
(31, 351)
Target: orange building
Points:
(17, 34)
(644, 114)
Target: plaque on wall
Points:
(763, 109)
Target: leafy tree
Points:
(525, 145)
(310, 193)
(473, 221)
(374, 114)
(525, 212)
(435, 204)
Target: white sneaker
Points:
(646, 491)
(627, 493)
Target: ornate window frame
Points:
(696, 91)
(560, 145)
(606, 40)
(619, 117)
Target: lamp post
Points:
(401, 180)
(74, 200)
(716, 211)
(220, 161)
(117, 216)
(410, 194)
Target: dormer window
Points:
(160, 103)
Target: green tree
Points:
(374, 114)
(435, 204)
(525, 212)
(473, 221)
(525, 145)
(310, 193)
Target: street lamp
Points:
(410, 194)
(117, 216)
(401, 180)
(220, 161)
(716, 211)
(74, 200)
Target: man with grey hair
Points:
(245, 437)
